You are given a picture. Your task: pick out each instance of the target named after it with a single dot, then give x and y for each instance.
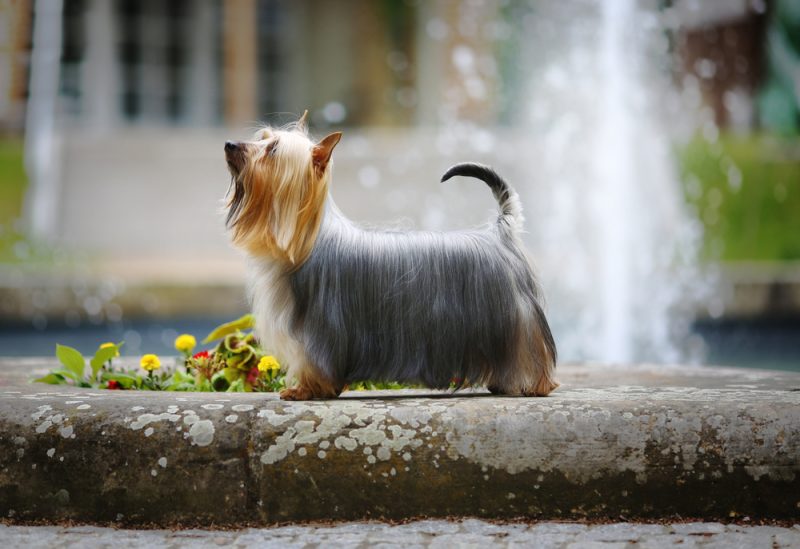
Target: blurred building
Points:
(208, 62)
(722, 45)
(15, 28)
(141, 77)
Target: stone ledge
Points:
(641, 442)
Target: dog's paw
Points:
(544, 387)
(296, 393)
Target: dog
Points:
(339, 303)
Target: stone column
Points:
(154, 75)
(14, 35)
(41, 143)
(431, 32)
(201, 92)
(299, 74)
(240, 62)
(100, 70)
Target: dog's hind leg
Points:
(531, 374)
(310, 384)
(542, 352)
(523, 381)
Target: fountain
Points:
(613, 242)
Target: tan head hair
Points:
(280, 181)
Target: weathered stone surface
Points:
(637, 442)
(427, 533)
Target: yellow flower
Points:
(107, 345)
(268, 364)
(150, 362)
(185, 343)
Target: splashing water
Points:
(613, 243)
(613, 167)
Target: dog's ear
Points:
(321, 153)
(302, 123)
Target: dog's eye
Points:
(270, 150)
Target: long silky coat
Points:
(341, 303)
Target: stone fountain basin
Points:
(637, 441)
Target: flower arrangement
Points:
(236, 363)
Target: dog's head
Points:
(280, 181)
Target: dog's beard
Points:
(236, 193)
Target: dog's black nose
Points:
(230, 146)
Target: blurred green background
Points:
(746, 191)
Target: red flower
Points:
(252, 375)
(113, 384)
(201, 354)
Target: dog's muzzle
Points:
(234, 155)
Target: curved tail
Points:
(510, 208)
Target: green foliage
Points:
(102, 374)
(238, 386)
(379, 386)
(233, 366)
(746, 192)
(102, 356)
(71, 359)
(52, 378)
(12, 180)
(220, 382)
(127, 381)
(74, 366)
(14, 248)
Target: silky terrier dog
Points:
(338, 303)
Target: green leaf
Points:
(237, 386)
(63, 372)
(180, 377)
(244, 323)
(52, 379)
(241, 361)
(232, 374)
(101, 356)
(219, 382)
(71, 359)
(235, 344)
(180, 387)
(123, 379)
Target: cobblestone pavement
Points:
(427, 533)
